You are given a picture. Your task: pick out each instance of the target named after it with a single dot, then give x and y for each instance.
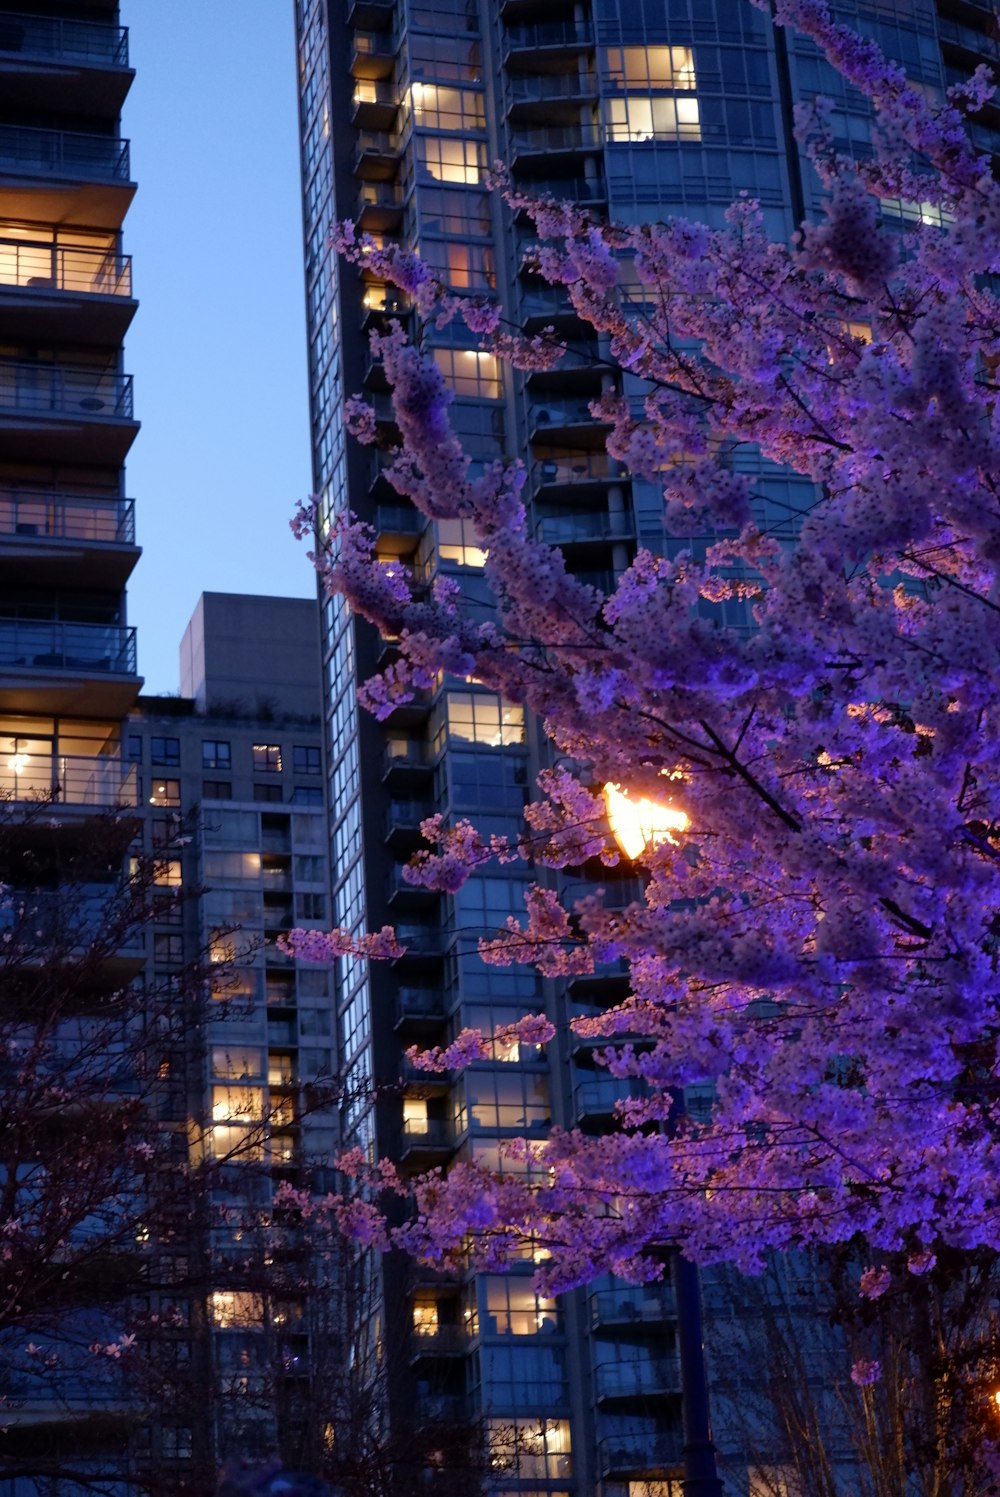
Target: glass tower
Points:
(637, 109)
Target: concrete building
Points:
(636, 108)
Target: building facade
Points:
(637, 109)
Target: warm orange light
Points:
(639, 824)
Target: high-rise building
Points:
(636, 109)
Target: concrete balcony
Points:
(75, 67)
(52, 292)
(420, 1010)
(400, 894)
(64, 177)
(399, 525)
(427, 1142)
(406, 761)
(380, 208)
(403, 819)
(374, 104)
(52, 667)
(371, 15)
(373, 54)
(376, 155)
(71, 413)
(438, 1341)
(59, 533)
(94, 781)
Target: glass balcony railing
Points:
(76, 647)
(639, 1305)
(68, 517)
(70, 779)
(629, 1455)
(39, 389)
(531, 37)
(558, 138)
(564, 530)
(582, 467)
(56, 267)
(90, 42)
(540, 87)
(63, 153)
(637, 1379)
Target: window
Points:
(267, 758)
(308, 868)
(165, 751)
(458, 542)
(446, 160)
(468, 371)
(236, 1062)
(530, 1447)
(133, 746)
(237, 1104)
(650, 67)
(484, 719)
(176, 1443)
(515, 1100)
(307, 759)
(232, 866)
(167, 873)
(235, 1309)
(165, 792)
(514, 1309)
(307, 795)
(215, 754)
(216, 790)
(436, 107)
(267, 792)
(639, 118)
(168, 950)
(310, 907)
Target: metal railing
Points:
(59, 267)
(637, 1379)
(40, 389)
(636, 1307)
(538, 87)
(63, 153)
(558, 138)
(76, 647)
(583, 467)
(65, 517)
(70, 779)
(52, 36)
(548, 34)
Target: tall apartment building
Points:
(637, 109)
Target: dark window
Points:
(165, 792)
(216, 790)
(307, 795)
(306, 759)
(267, 758)
(165, 750)
(215, 754)
(310, 907)
(133, 746)
(168, 950)
(267, 792)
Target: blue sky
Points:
(218, 345)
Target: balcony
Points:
(371, 15)
(403, 819)
(406, 760)
(52, 292)
(96, 781)
(976, 45)
(73, 413)
(76, 67)
(380, 207)
(64, 177)
(438, 1341)
(376, 155)
(533, 94)
(422, 943)
(373, 55)
(419, 1009)
(583, 471)
(381, 303)
(550, 39)
(73, 922)
(596, 528)
(567, 421)
(61, 532)
(596, 1101)
(621, 1382)
(642, 1309)
(400, 894)
(639, 1455)
(427, 1141)
(374, 104)
(55, 667)
(399, 526)
(556, 143)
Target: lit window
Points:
(167, 873)
(267, 758)
(514, 1309)
(469, 371)
(484, 719)
(235, 1309)
(441, 108)
(457, 543)
(650, 67)
(165, 792)
(638, 118)
(446, 160)
(535, 1447)
(415, 1115)
(236, 1063)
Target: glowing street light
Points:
(639, 824)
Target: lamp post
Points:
(636, 825)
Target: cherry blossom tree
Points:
(816, 947)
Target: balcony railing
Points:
(68, 518)
(637, 1379)
(548, 34)
(428, 1133)
(70, 779)
(582, 467)
(63, 153)
(75, 41)
(548, 138)
(540, 87)
(57, 267)
(76, 647)
(630, 1455)
(612, 1309)
(419, 1003)
(563, 530)
(39, 389)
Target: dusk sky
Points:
(218, 345)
